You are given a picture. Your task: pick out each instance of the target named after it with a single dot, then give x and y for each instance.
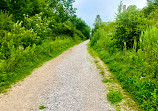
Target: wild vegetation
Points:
(34, 31)
(129, 46)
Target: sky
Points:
(107, 9)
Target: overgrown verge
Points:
(34, 31)
(119, 97)
(23, 61)
(129, 48)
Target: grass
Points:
(106, 80)
(113, 85)
(135, 76)
(25, 61)
(114, 97)
(42, 107)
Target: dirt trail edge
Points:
(70, 82)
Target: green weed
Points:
(114, 97)
(42, 107)
(106, 80)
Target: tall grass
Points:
(149, 45)
(23, 60)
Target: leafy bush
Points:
(6, 22)
(38, 24)
(20, 7)
(129, 25)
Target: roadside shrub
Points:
(6, 22)
(23, 60)
(129, 25)
(38, 24)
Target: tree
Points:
(129, 25)
(63, 9)
(20, 7)
(120, 7)
(83, 27)
(97, 23)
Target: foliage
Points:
(114, 97)
(20, 7)
(153, 17)
(42, 107)
(130, 23)
(148, 9)
(23, 60)
(66, 7)
(32, 32)
(120, 7)
(83, 27)
(38, 24)
(6, 22)
(135, 67)
(152, 1)
(97, 23)
(149, 45)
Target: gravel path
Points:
(70, 82)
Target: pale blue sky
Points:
(88, 9)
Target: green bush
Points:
(6, 22)
(39, 25)
(129, 25)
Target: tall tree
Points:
(63, 9)
(120, 7)
(20, 7)
(97, 23)
(83, 27)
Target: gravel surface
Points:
(70, 82)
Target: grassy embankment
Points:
(118, 97)
(23, 61)
(131, 53)
(33, 32)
